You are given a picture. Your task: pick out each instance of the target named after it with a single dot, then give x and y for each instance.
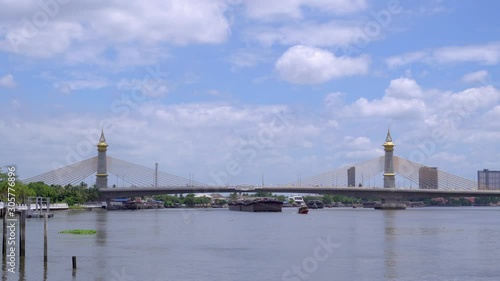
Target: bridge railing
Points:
(53, 206)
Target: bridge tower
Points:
(102, 173)
(389, 175)
(390, 202)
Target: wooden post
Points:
(45, 250)
(74, 262)
(45, 271)
(21, 269)
(4, 238)
(22, 234)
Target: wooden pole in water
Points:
(4, 240)
(22, 235)
(45, 238)
(74, 262)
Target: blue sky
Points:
(189, 84)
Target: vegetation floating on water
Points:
(78, 231)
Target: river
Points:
(441, 244)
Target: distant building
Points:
(428, 178)
(488, 180)
(351, 176)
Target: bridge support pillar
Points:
(108, 204)
(391, 204)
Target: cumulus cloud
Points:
(181, 137)
(404, 88)
(471, 99)
(148, 23)
(403, 99)
(493, 115)
(387, 107)
(308, 65)
(7, 81)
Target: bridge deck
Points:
(362, 192)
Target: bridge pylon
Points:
(392, 203)
(102, 172)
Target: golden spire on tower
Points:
(388, 145)
(102, 145)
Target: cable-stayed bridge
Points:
(425, 182)
(133, 174)
(416, 175)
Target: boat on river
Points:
(258, 204)
(303, 210)
(315, 204)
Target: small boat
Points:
(303, 210)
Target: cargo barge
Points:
(256, 205)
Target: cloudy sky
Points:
(241, 88)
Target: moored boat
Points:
(297, 200)
(315, 204)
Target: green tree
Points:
(263, 194)
(9, 183)
(233, 196)
(327, 199)
(43, 190)
(281, 198)
(189, 200)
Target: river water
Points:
(217, 244)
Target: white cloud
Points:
(405, 59)
(148, 23)
(468, 101)
(491, 117)
(404, 88)
(357, 142)
(475, 77)
(334, 100)
(7, 81)
(308, 65)
(80, 84)
(387, 107)
(403, 99)
(199, 138)
(488, 54)
(53, 39)
(364, 154)
(485, 54)
(277, 9)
